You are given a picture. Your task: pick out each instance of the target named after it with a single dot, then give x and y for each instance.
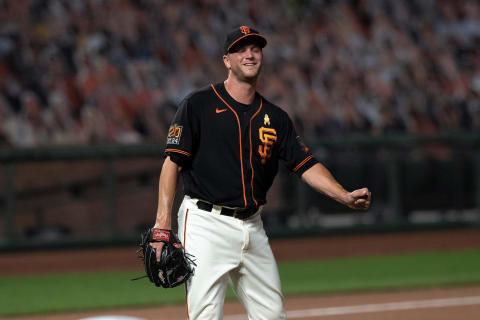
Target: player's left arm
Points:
(300, 160)
(320, 178)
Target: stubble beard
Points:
(244, 77)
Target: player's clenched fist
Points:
(359, 199)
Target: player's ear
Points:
(226, 61)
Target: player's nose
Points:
(249, 54)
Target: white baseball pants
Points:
(229, 250)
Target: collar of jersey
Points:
(234, 103)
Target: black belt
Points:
(241, 214)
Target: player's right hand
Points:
(158, 248)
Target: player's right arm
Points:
(166, 193)
(178, 150)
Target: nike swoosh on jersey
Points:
(220, 110)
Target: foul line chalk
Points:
(380, 307)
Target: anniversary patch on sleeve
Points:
(174, 134)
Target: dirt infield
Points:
(439, 304)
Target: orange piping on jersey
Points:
(302, 163)
(239, 139)
(251, 166)
(178, 151)
(185, 248)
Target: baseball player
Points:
(226, 141)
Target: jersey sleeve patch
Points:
(174, 134)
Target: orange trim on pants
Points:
(185, 248)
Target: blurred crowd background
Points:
(97, 71)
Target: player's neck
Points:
(242, 92)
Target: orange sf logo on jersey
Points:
(268, 136)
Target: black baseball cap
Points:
(241, 33)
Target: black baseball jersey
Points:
(230, 151)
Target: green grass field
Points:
(81, 291)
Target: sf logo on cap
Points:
(245, 29)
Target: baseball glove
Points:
(175, 266)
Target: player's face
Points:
(245, 63)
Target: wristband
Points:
(160, 235)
